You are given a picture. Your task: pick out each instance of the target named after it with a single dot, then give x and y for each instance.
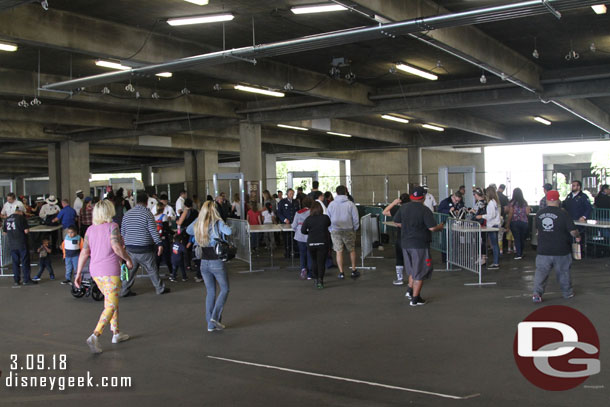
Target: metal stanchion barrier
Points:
(368, 231)
(241, 239)
(464, 246)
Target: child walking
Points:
(178, 251)
(44, 260)
(71, 247)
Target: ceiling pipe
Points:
(325, 40)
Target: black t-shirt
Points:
(15, 226)
(503, 202)
(602, 201)
(416, 220)
(393, 212)
(554, 226)
(316, 229)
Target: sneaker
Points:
(518, 257)
(355, 274)
(52, 278)
(185, 279)
(172, 279)
(536, 299)
(319, 285)
(36, 278)
(398, 282)
(213, 329)
(93, 343)
(303, 274)
(415, 301)
(16, 284)
(409, 293)
(166, 290)
(341, 276)
(198, 280)
(493, 267)
(309, 278)
(120, 337)
(66, 282)
(569, 296)
(31, 282)
(217, 324)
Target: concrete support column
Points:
(250, 157)
(343, 174)
(74, 168)
(19, 183)
(271, 173)
(207, 166)
(190, 172)
(147, 176)
(414, 166)
(54, 169)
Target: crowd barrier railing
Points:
(240, 235)
(439, 240)
(369, 233)
(5, 257)
(464, 239)
(598, 236)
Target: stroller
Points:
(88, 287)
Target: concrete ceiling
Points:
(66, 40)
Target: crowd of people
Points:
(114, 236)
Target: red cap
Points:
(552, 196)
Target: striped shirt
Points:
(139, 228)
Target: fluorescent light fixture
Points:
(317, 8)
(416, 71)
(394, 118)
(267, 92)
(338, 134)
(165, 74)
(198, 2)
(572, 155)
(6, 46)
(212, 18)
(599, 8)
(432, 127)
(285, 126)
(111, 65)
(542, 120)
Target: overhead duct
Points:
(330, 39)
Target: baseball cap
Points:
(418, 193)
(88, 199)
(552, 196)
(80, 191)
(547, 187)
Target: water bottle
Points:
(124, 272)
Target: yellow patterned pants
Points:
(110, 287)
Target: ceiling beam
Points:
(22, 131)
(18, 83)
(465, 40)
(74, 116)
(463, 122)
(99, 38)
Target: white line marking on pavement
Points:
(387, 386)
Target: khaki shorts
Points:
(343, 238)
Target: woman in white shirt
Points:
(493, 221)
(236, 206)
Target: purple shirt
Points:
(104, 262)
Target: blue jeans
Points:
(214, 271)
(71, 266)
(21, 264)
(45, 263)
(519, 230)
(493, 239)
(305, 257)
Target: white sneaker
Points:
(93, 343)
(120, 337)
(398, 282)
(217, 324)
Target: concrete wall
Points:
(173, 175)
(369, 171)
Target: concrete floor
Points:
(459, 344)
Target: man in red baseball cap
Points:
(555, 231)
(417, 224)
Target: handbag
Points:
(225, 250)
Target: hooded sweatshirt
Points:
(343, 214)
(299, 218)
